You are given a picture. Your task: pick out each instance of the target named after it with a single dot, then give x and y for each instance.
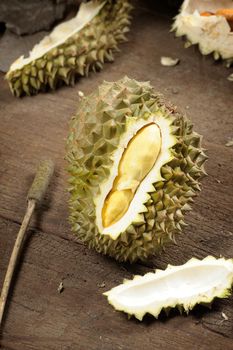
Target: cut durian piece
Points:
(73, 48)
(208, 24)
(196, 282)
(134, 164)
(169, 61)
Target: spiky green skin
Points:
(86, 50)
(94, 134)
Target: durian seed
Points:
(137, 160)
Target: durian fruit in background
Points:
(196, 282)
(209, 24)
(73, 48)
(135, 164)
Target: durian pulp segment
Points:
(136, 206)
(212, 33)
(197, 281)
(61, 33)
(138, 158)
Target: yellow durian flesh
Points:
(136, 162)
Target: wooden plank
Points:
(38, 316)
(80, 317)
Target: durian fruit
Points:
(73, 48)
(134, 164)
(196, 282)
(209, 24)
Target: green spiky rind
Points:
(185, 307)
(86, 50)
(95, 133)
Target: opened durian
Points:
(134, 168)
(73, 48)
(196, 282)
(209, 24)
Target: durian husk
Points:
(95, 133)
(205, 31)
(86, 50)
(182, 287)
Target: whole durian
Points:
(209, 24)
(73, 48)
(134, 164)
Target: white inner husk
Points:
(141, 196)
(194, 282)
(61, 33)
(213, 33)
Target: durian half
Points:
(73, 48)
(134, 164)
(209, 24)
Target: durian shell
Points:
(95, 132)
(142, 295)
(215, 52)
(85, 51)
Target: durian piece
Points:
(196, 282)
(169, 61)
(73, 48)
(209, 25)
(134, 164)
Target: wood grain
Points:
(80, 317)
(38, 317)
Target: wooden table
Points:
(38, 317)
